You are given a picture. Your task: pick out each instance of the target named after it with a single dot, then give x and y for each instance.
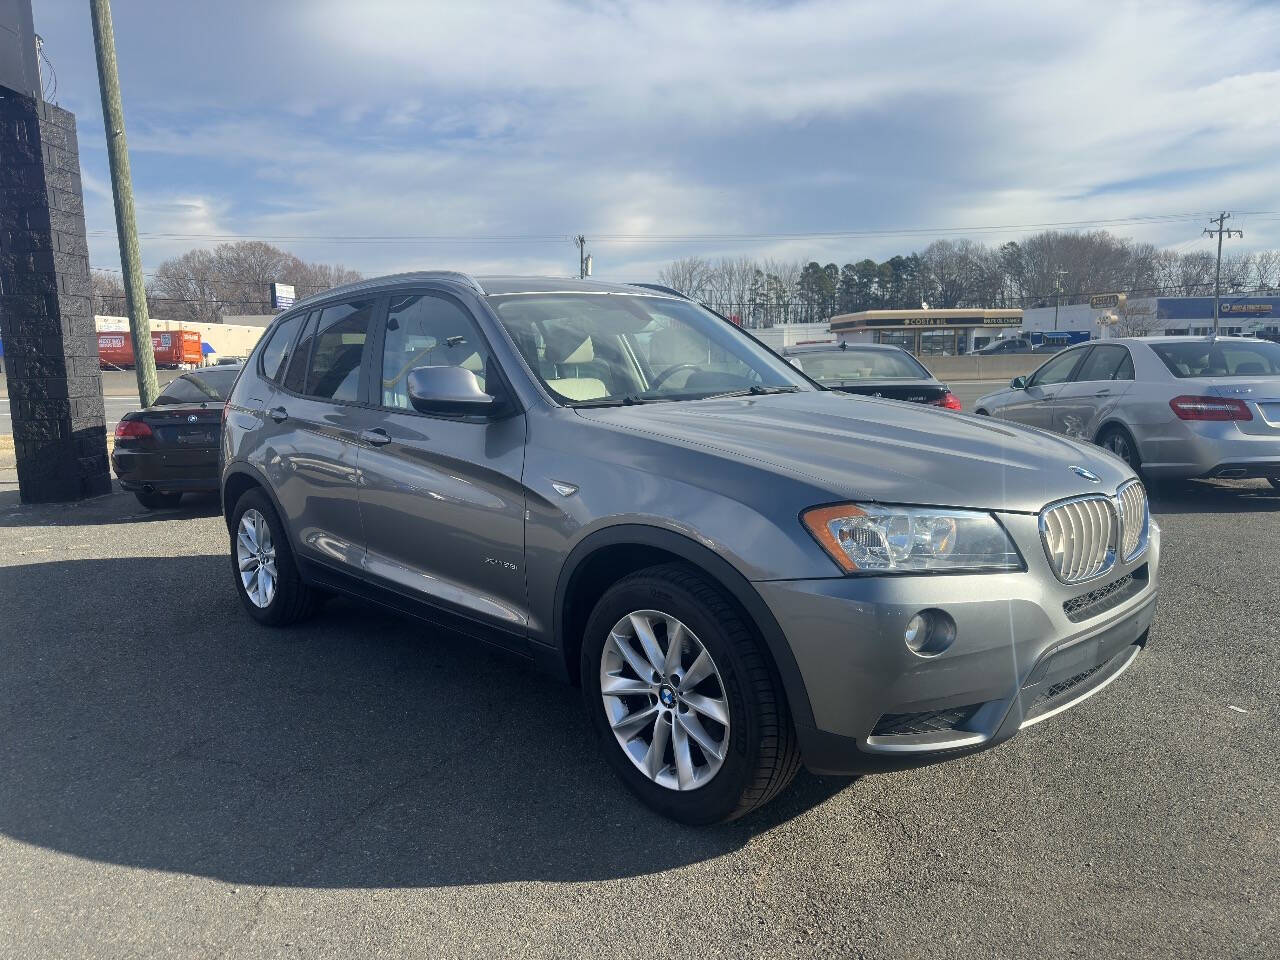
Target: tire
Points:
(1275, 482)
(1119, 441)
(289, 599)
(981, 413)
(760, 753)
(155, 500)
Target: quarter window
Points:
(337, 351)
(276, 354)
(427, 330)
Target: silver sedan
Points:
(1173, 407)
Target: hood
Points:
(861, 448)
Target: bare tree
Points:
(108, 294)
(689, 275)
(1135, 318)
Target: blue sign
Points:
(1232, 308)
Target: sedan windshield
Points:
(605, 349)
(854, 364)
(1220, 358)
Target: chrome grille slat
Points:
(1135, 519)
(1085, 533)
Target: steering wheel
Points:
(661, 378)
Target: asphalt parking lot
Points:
(177, 781)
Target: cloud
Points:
(546, 118)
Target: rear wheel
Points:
(155, 500)
(1120, 442)
(266, 575)
(682, 696)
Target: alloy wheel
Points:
(664, 700)
(1118, 444)
(256, 557)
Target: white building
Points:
(1114, 315)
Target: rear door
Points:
(311, 420)
(1104, 376)
(441, 497)
(1034, 405)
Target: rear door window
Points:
(336, 356)
(1103, 363)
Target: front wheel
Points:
(683, 698)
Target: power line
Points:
(684, 238)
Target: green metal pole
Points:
(144, 361)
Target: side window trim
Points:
(375, 321)
(1033, 382)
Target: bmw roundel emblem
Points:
(192, 419)
(1086, 474)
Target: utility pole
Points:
(1057, 294)
(144, 361)
(581, 241)
(1220, 219)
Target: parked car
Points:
(1001, 347)
(1172, 407)
(873, 370)
(745, 572)
(171, 447)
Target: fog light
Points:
(929, 633)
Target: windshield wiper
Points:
(629, 400)
(755, 390)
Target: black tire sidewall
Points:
(277, 612)
(717, 800)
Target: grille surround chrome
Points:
(1105, 524)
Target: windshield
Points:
(859, 364)
(203, 387)
(1220, 358)
(600, 349)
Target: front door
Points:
(1034, 405)
(441, 497)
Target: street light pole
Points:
(135, 292)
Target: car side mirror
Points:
(447, 390)
(1018, 383)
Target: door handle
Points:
(1103, 393)
(375, 437)
(278, 414)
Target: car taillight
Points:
(948, 400)
(1210, 408)
(132, 430)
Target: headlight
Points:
(870, 538)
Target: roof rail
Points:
(371, 283)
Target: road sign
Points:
(282, 297)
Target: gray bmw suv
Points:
(745, 572)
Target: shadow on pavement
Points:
(118, 507)
(147, 721)
(1215, 496)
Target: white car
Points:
(1172, 407)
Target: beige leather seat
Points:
(568, 350)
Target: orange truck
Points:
(172, 348)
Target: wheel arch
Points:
(604, 557)
(238, 480)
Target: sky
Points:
(482, 136)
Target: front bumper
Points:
(1026, 648)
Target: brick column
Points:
(46, 316)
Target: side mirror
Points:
(447, 390)
(1018, 383)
